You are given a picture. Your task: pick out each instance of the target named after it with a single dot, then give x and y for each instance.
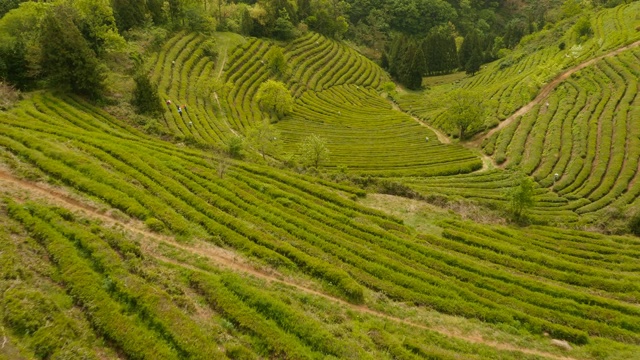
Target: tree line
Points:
(66, 42)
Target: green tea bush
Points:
(154, 224)
(26, 310)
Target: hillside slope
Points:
(294, 225)
(115, 243)
(578, 139)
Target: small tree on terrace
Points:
(465, 111)
(274, 98)
(314, 151)
(277, 63)
(265, 139)
(521, 197)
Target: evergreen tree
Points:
(145, 96)
(407, 61)
(470, 45)
(66, 57)
(473, 64)
(440, 51)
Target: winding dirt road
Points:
(439, 134)
(21, 190)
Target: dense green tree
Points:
(274, 98)
(373, 30)
(472, 44)
(314, 151)
(97, 23)
(195, 19)
(8, 5)
(417, 17)
(634, 224)
(439, 48)
(156, 11)
(145, 96)
(465, 111)
(407, 61)
(129, 13)
(235, 146)
(583, 29)
(514, 31)
(328, 18)
(283, 28)
(67, 59)
(246, 21)
(20, 44)
(276, 61)
(473, 64)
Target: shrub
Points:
(398, 189)
(154, 224)
(583, 28)
(235, 146)
(26, 310)
(210, 49)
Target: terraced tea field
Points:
(363, 134)
(336, 98)
(578, 139)
(115, 243)
(513, 81)
(294, 225)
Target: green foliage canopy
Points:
(265, 139)
(313, 151)
(465, 111)
(67, 59)
(274, 98)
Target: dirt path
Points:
(545, 91)
(22, 189)
(439, 134)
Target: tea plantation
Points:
(121, 242)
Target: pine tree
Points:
(473, 64)
(145, 96)
(470, 45)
